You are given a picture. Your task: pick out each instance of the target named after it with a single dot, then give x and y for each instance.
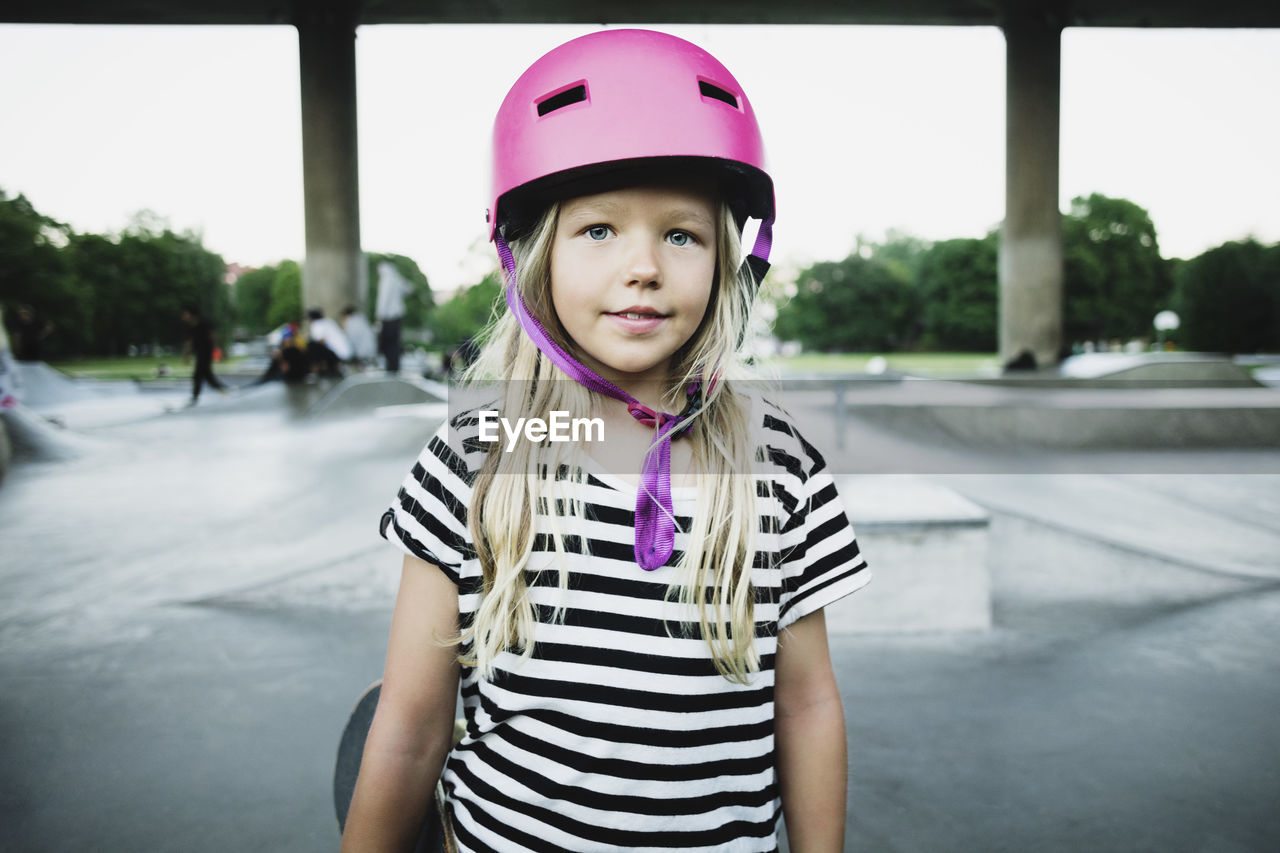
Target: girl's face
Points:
(631, 277)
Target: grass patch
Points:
(911, 362)
(141, 368)
(146, 367)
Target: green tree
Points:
(286, 295)
(859, 304)
(418, 305)
(100, 265)
(466, 313)
(1228, 299)
(181, 273)
(1114, 280)
(253, 299)
(35, 271)
(901, 251)
(103, 294)
(156, 275)
(959, 294)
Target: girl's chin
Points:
(637, 373)
(620, 372)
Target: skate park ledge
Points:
(927, 548)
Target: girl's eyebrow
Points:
(594, 209)
(609, 210)
(690, 214)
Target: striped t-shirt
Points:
(619, 734)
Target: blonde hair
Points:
(713, 576)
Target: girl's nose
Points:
(642, 264)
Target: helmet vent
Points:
(711, 90)
(560, 100)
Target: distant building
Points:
(234, 271)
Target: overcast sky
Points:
(867, 129)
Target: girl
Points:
(636, 624)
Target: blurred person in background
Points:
(29, 334)
(8, 371)
(364, 346)
(288, 357)
(327, 344)
(200, 341)
(392, 289)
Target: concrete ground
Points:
(193, 601)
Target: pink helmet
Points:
(600, 111)
(616, 100)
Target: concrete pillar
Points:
(1031, 239)
(334, 271)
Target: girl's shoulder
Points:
(428, 517)
(456, 448)
(779, 440)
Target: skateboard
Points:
(432, 839)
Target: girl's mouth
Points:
(636, 322)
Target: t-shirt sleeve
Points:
(428, 518)
(821, 561)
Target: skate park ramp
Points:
(1269, 376)
(79, 405)
(1147, 370)
(1080, 419)
(365, 392)
(35, 428)
(1093, 402)
(42, 387)
(35, 438)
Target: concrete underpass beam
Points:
(1031, 238)
(334, 271)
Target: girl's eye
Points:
(681, 238)
(597, 232)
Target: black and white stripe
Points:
(618, 734)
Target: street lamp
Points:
(1165, 321)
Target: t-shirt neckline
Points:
(596, 469)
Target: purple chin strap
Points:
(655, 517)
